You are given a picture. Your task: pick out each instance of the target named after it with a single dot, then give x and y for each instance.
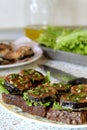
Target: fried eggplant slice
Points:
(35, 76)
(81, 88)
(62, 87)
(16, 83)
(74, 101)
(43, 93)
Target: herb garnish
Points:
(2, 88)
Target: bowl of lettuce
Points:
(65, 44)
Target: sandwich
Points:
(36, 94)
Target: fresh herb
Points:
(2, 88)
(47, 78)
(57, 106)
(62, 85)
(76, 97)
(39, 90)
(14, 76)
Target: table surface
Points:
(9, 121)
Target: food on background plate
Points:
(19, 54)
(65, 39)
(12, 53)
(4, 49)
(34, 93)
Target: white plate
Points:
(36, 49)
(18, 112)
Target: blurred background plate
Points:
(37, 55)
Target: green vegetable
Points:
(65, 39)
(33, 103)
(63, 85)
(76, 97)
(75, 42)
(47, 78)
(25, 96)
(48, 37)
(2, 88)
(57, 106)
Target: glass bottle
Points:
(38, 15)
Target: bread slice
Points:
(67, 117)
(18, 101)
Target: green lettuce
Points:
(65, 39)
(48, 37)
(2, 88)
(47, 78)
(33, 103)
(75, 42)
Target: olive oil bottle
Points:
(38, 15)
(33, 31)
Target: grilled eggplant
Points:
(81, 88)
(77, 81)
(35, 76)
(62, 87)
(16, 83)
(74, 101)
(43, 93)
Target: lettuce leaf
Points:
(65, 39)
(49, 36)
(75, 42)
(33, 103)
(2, 88)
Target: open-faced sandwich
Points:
(34, 93)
